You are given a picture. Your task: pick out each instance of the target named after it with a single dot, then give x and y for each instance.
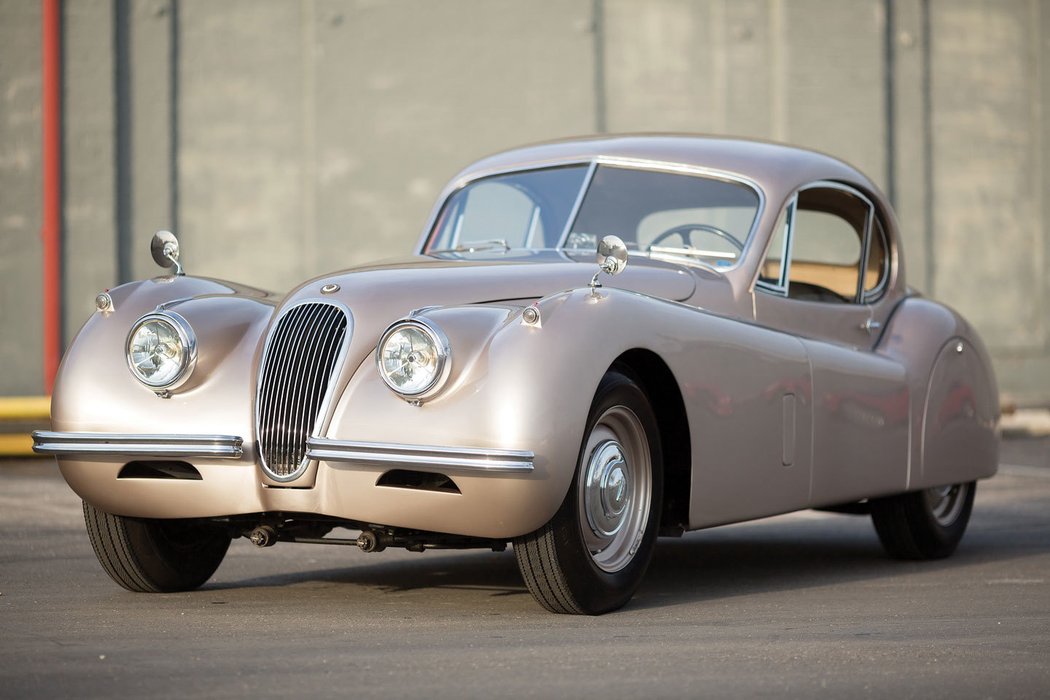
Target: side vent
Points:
(159, 470)
(421, 481)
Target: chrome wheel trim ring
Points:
(615, 489)
(946, 502)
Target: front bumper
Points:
(499, 490)
(399, 456)
(47, 442)
(422, 457)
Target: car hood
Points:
(399, 286)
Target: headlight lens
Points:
(413, 357)
(161, 350)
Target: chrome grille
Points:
(299, 363)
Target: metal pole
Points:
(51, 225)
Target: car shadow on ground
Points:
(778, 554)
(492, 572)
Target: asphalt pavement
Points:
(804, 605)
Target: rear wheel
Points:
(591, 557)
(155, 556)
(924, 524)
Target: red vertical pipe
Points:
(51, 226)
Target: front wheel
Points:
(924, 524)
(155, 556)
(591, 557)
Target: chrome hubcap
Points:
(946, 503)
(607, 489)
(615, 488)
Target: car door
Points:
(811, 285)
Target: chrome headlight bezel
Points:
(187, 339)
(443, 355)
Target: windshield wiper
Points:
(474, 247)
(692, 252)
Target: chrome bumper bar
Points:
(422, 457)
(419, 457)
(46, 442)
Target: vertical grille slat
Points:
(305, 410)
(283, 341)
(299, 363)
(328, 340)
(301, 330)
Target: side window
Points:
(827, 244)
(773, 273)
(823, 234)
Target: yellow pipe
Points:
(16, 446)
(25, 408)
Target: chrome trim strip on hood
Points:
(422, 457)
(46, 442)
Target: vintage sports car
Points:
(745, 346)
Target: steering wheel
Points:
(685, 232)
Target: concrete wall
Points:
(20, 198)
(282, 139)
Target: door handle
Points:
(871, 325)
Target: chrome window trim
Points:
(780, 288)
(585, 186)
(889, 256)
(48, 442)
(422, 457)
(869, 228)
(329, 396)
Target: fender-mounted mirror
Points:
(611, 258)
(165, 250)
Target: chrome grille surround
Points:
(301, 358)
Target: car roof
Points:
(776, 168)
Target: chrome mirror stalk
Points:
(164, 247)
(611, 258)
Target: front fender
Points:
(95, 392)
(512, 386)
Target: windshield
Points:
(659, 213)
(528, 209)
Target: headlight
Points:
(162, 350)
(413, 358)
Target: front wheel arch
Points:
(661, 388)
(568, 564)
